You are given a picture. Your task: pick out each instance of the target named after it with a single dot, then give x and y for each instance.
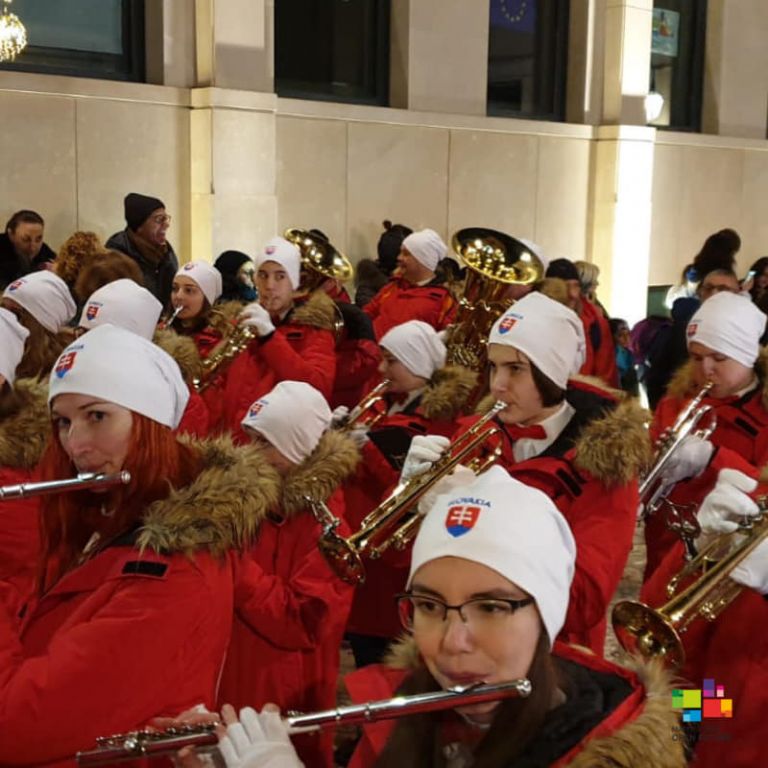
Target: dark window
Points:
(337, 50)
(82, 38)
(677, 62)
(527, 58)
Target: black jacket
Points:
(12, 267)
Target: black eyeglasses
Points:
(423, 612)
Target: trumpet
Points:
(389, 524)
(82, 482)
(652, 488)
(129, 746)
(363, 415)
(656, 632)
(236, 342)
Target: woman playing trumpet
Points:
(486, 595)
(134, 592)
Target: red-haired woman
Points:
(134, 591)
(24, 427)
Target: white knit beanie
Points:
(46, 297)
(123, 368)
(207, 277)
(12, 337)
(123, 303)
(510, 527)
(729, 324)
(547, 332)
(292, 418)
(286, 254)
(427, 247)
(417, 346)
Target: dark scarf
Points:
(150, 252)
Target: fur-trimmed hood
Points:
(23, 436)
(221, 509)
(334, 459)
(645, 740)
(183, 350)
(682, 383)
(318, 310)
(447, 393)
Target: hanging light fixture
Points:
(13, 35)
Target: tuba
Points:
(495, 261)
(390, 524)
(655, 632)
(320, 261)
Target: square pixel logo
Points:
(706, 703)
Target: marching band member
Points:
(487, 594)
(290, 609)
(569, 438)
(43, 305)
(24, 428)
(424, 395)
(294, 340)
(417, 294)
(127, 305)
(724, 345)
(134, 593)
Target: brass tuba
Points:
(655, 632)
(390, 524)
(495, 261)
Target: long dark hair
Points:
(415, 740)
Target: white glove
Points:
(359, 436)
(753, 571)
(460, 477)
(259, 741)
(425, 450)
(339, 416)
(256, 317)
(727, 503)
(689, 460)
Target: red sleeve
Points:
(358, 359)
(195, 421)
(605, 354)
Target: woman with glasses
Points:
(486, 595)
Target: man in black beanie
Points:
(144, 240)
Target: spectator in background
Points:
(624, 358)
(237, 270)
(371, 276)
(685, 289)
(589, 280)
(22, 249)
(718, 252)
(758, 289)
(144, 240)
(717, 281)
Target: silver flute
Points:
(129, 746)
(82, 482)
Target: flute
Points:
(129, 746)
(82, 482)
(170, 320)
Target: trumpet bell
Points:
(643, 630)
(319, 257)
(497, 256)
(343, 558)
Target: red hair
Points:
(157, 461)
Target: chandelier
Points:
(13, 36)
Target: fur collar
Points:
(626, 746)
(334, 459)
(318, 310)
(221, 509)
(23, 436)
(183, 350)
(447, 393)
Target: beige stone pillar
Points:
(439, 55)
(621, 181)
(233, 128)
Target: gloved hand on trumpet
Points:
(256, 317)
(689, 460)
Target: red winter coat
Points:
(741, 440)
(399, 301)
(301, 349)
(290, 607)
(22, 438)
(434, 412)
(590, 472)
(600, 350)
(641, 717)
(139, 630)
(732, 650)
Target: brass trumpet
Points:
(363, 415)
(390, 525)
(82, 482)
(136, 744)
(655, 632)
